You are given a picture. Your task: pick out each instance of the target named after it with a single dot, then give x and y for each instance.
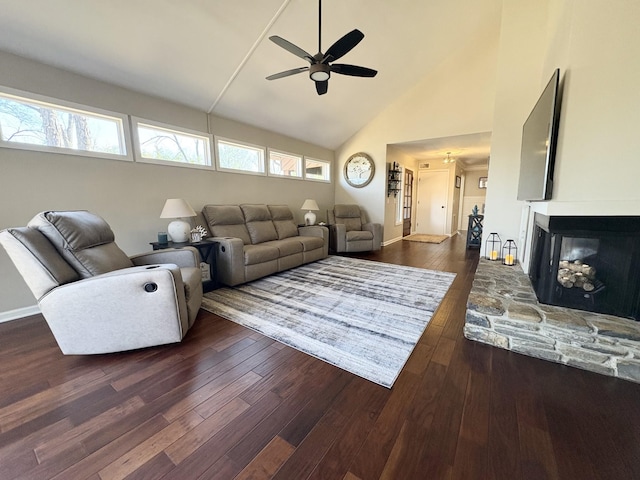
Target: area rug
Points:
(424, 238)
(362, 316)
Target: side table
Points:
(474, 231)
(207, 252)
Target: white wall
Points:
(596, 45)
(455, 99)
(128, 195)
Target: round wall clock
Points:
(359, 170)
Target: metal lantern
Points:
(492, 247)
(509, 253)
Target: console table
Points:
(207, 254)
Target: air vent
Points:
(423, 165)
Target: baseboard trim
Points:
(19, 313)
(393, 240)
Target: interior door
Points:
(431, 211)
(407, 202)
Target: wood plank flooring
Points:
(228, 403)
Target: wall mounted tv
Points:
(539, 138)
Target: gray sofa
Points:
(257, 240)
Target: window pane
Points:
(234, 156)
(32, 122)
(285, 164)
(317, 170)
(170, 145)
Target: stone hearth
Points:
(503, 311)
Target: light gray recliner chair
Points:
(94, 297)
(350, 232)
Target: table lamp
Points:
(309, 217)
(179, 229)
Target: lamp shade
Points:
(176, 208)
(178, 230)
(309, 204)
(309, 217)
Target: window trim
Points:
(124, 133)
(217, 139)
(136, 121)
(278, 175)
(304, 169)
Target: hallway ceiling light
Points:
(449, 159)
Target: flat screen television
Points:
(539, 138)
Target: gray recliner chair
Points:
(350, 232)
(93, 296)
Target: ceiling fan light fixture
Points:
(319, 72)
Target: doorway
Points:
(431, 211)
(407, 202)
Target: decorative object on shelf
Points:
(482, 182)
(492, 247)
(198, 233)
(458, 181)
(474, 210)
(509, 253)
(179, 229)
(309, 217)
(359, 170)
(394, 179)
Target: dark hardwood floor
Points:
(228, 403)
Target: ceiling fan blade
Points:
(322, 87)
(287, 73)
(343, 46)
(353, 70)
(290, 47)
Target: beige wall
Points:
(455, 99)
(128, 195)
(596, 45)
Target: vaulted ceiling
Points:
(214, 55)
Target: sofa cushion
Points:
(283, 221)
(259, 224)
(311, 243)
(84, 240)
(254, 254)
(39, 263)
(286, 246)
(226, 221)
(356, 235)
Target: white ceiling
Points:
(214, 55)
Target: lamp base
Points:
(179, 231)
(309, 218)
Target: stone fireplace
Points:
(579, 305)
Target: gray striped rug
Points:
(362, 316)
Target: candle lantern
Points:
(509, 253)
(492, 247)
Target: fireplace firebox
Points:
(588, 263)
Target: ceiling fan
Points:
(320, 67)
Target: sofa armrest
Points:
(229, 260)
(376, 230)
(182, 257)
(338, 237)
(316, 231)
(122, 310)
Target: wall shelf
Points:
(394, 179)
